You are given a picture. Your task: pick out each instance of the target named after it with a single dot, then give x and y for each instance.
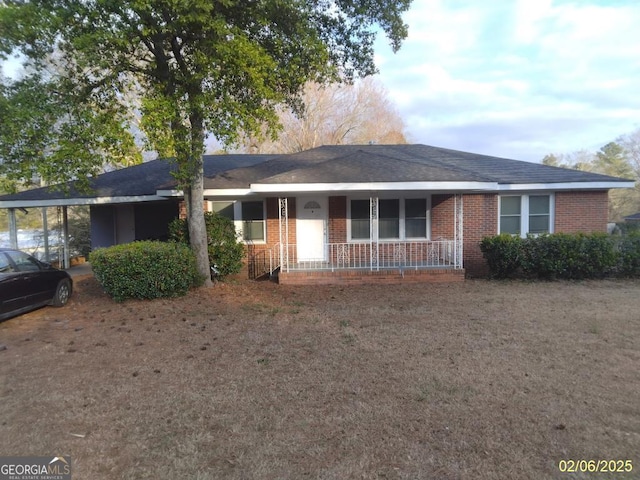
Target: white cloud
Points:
(532, 76)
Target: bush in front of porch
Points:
(225, 251)
(145, 270)
(559, 256)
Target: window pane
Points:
(539, 204)
(224, 209)
(510, 225)
(252, 220)
(415, 208)
(510, 205)
(415, 227)
(415, 224)
(539, 224)
(389, 219)
(360, 229)
(389, 227)
(389, 209)
(252, 211)
(253, 230)
(360, 209)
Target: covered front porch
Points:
(302, 256)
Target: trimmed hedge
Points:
(628, 248)
(145, 270)
(562, 256)
(503, 254)
(225, 252)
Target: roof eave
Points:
(565, 186)
(70, 202)
(371, 186)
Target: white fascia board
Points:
(209, 192)
(372, 186)
(564, 186)
(170, 193)
(70, 202)
(227, 192)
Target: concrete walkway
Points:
(80, 270)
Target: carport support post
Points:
(45, 229)
(65, 233)
(13, 229)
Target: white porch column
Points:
(283, 220)
(373, 233)
(13, 229)
(458, 231)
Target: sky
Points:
(517, 78)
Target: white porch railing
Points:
(371, 256)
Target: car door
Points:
(12, 287)
(33, 282)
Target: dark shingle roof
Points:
(144, 179)
(396, 163)
(327, 164)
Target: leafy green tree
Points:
(612, 159)
(198, 66)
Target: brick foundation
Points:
(363, 277)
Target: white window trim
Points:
(237, 219)
(524, 210)
(402, 218)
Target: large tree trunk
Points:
(194, 202)
(194, 198)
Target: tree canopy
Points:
(620, 158)
(335, 114)
(198, 67)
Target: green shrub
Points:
(146, 270)
(568, 256)
(554, 256)
(225, 252)
(628, 248)
(503, 254)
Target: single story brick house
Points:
(352, 213)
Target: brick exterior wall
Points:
(480, 220)
(362, 277)
(581, 212)
(442, 217)
(337, 219)
(574, 212)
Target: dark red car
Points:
(27, 284)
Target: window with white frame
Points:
(248, 217)
(398, 219)
(253, 221)
(526, 214)
(224, 209)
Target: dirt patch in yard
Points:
(248, 380)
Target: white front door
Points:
(311, 228)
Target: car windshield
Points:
(23, 262)
(5, 266)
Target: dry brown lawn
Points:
(480, 380)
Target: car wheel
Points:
(63, 292)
